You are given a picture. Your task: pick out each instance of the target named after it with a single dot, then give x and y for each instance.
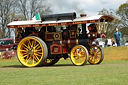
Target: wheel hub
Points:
(30, 52)
(93, 54)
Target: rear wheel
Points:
(32, 51)
(79, 55)
(96, 55)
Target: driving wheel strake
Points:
(32, 51)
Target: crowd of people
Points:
(110, 42)
(116, 41)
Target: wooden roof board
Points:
(39, 23)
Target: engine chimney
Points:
(83, 15)
(84, 31)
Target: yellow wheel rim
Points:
(30, 52)
(95, 55)
(79, 55)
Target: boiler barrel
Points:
(56, 17)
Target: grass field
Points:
(65, 73)
(116, 53)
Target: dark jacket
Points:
(117, 36)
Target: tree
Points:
(28, 8)
(6, 8)
(120, 20)
(123, 13)
(20, 10)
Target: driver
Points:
(92, 28)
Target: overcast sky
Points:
(90, 7)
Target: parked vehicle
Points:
(126, 44)
(101, 44)
(6, 43)
(60, 36)
(109, 42)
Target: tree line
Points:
(11, 10)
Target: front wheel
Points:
(32, 51)
(79, 55)
(96, 55)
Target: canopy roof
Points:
(78, 20)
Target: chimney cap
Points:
(83, 15)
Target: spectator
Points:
(113, 42)
(6, 54)
(106, 43)
(117, 36)
(97, 42)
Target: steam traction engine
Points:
(45, 41)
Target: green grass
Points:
(64, 73)
(116, 53)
